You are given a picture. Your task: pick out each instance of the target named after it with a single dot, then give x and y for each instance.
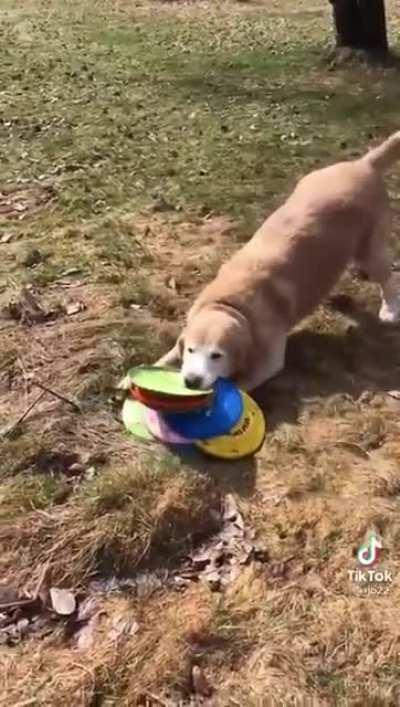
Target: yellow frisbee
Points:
(244, 439)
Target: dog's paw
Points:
(125, 383)
(390, 311)
(162, 362)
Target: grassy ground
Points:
(140, 144)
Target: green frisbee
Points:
(166, 381)
(133, 418)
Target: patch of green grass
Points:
(330, 682)
(27, 492)
(116, 109)
(137, 292)
(147, 508)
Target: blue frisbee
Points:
(223, 414)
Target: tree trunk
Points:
(374, 24)
(360, 24)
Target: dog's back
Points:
(309, 241)
(300, 251)
(334, 215)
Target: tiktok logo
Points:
(368, 553)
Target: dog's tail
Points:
(385, 155)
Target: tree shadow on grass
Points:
(265, 85)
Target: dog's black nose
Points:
(193, 381)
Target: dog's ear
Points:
(241, 362)
(242, 354)
(181, 346)
(175, 355)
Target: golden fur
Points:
(238, 325)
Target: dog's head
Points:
(215, 344)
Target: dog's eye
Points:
(191, 349)
(215, 355)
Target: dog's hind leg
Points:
(376, 263)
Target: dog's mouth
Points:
(195, 382)
(192, 382)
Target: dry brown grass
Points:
(77, 495)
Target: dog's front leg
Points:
(262, 370)
(172, 358)
(250, 382)
(253, 381)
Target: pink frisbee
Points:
(160, 429)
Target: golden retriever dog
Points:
(239, 324)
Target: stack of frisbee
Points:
(223, 421)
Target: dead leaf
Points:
(230, 532)
(84, 637)
(229, 574)
(6, 237)
(171, 283)
(76, 469)
(123, 625)
(201, 686)
(22, 626)
(28, 309)
(31, 257)
(18, 202)
(14, 632)
(74, 308)
(63, 601)
(275, 497)
(394, 394)
(393, 400)
(219, 561)
(353, 448)
(87, 619)
(217, 225)
(71, 271)
(66, 284)
(87, 609)
(203, 557)
(41, 626)
(213, 578)
(261, 554)
(161, 204)
(245, 553)
(147, 583)
(230, 509)
(90, 473)
(239, 522)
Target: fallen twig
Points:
(16, 604)
(25, 414)
(70, 402)
(44, 389)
